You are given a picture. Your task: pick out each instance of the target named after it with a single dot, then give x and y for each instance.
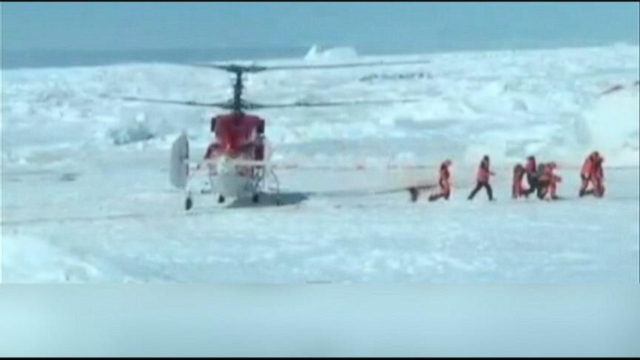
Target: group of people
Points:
(541, 179)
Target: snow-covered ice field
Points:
(86, 195)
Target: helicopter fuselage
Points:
(237, 136)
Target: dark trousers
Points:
(445, 191)
(584, 185)
(598, 187)
(435, 197)
(479, 186)
(533, 185)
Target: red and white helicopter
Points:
(238, 159)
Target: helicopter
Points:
(238, 159)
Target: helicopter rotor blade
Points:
(346, 65)
(223, 105)
(240, 104)
(232, 68)
(236, 68)
(300, 104)
(248, 105)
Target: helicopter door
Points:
(179, 167)
(259, 149)
(213, 124)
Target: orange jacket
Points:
(444, 172)
(484, 172)
(587, 167)
(548, 174)
(518, 172)
(596, 169)
(444, 177)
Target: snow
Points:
(86, 194)
(613, 124)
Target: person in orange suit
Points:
(597, 177)
(483, 175)
(548, 182)
(445, 186)
(516, 188)
(592, 173)
(530, 169)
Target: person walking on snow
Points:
(483, 175)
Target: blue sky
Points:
(128, 26)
